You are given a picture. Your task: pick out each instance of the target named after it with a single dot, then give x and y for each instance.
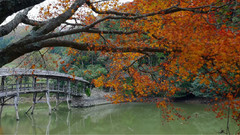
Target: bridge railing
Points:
(25, 87)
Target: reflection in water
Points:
(16, 130)
(33, 122)
(132, 118)
(68, 123)
(48, 125)
(1, 130)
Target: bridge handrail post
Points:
(63, 86)
(20, 82)
(2, 83)
(24, 85)
(84, 88)
(69, 87)
(58, 84)
(34, 82)
(77, 88)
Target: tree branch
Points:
(69, 32)
(55, 22)
(7, 28)
(31, 22)
(8, 7)
(12, 52)
(107, 12)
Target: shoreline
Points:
(98, 98)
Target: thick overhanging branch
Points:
(10, 26)
(34, 39)
(12, 52)
(8, 7)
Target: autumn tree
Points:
(199, 40)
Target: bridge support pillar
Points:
(68, 102)
(57, 94)
(1, 108)
(57, 101)
(47, 97)
(34, 102)
(16, 107)
(48, 102)
(2, 99)
(17, 97)
(68, 95)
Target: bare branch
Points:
(99, 1)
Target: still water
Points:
(130, 118)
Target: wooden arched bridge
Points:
(15, 82)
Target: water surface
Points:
(130, 118)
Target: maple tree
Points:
(198, 40)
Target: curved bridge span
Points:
(15, 82)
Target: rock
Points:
(97, 98)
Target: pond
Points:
(129, 118)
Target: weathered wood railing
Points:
(41, 87)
